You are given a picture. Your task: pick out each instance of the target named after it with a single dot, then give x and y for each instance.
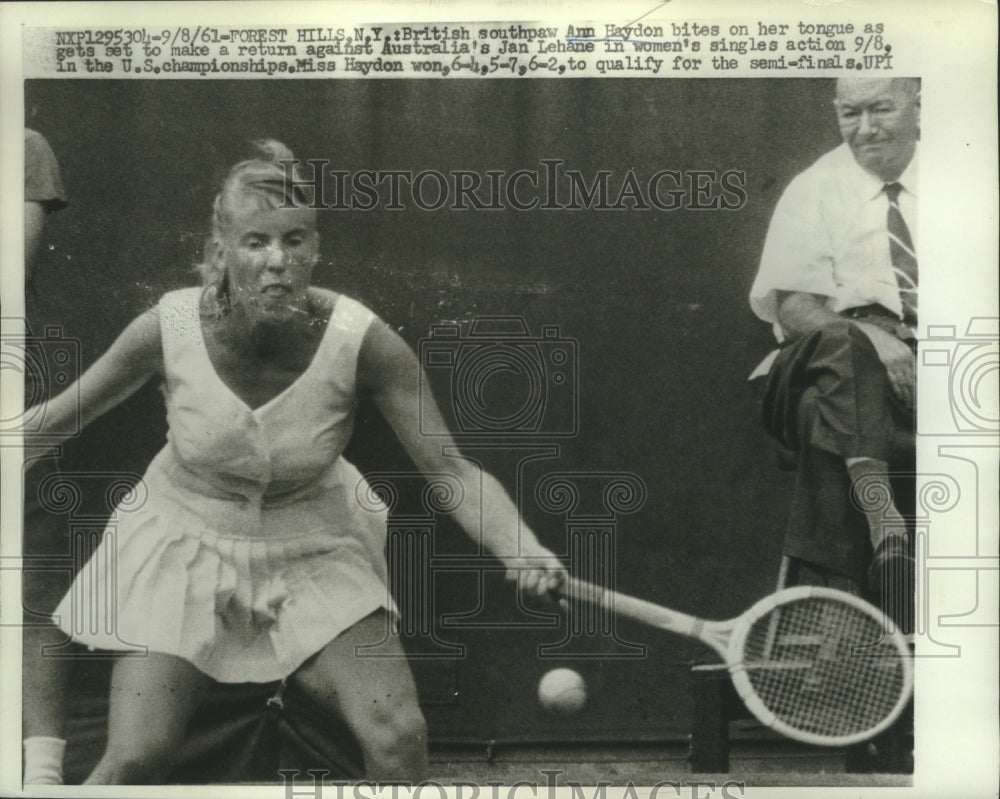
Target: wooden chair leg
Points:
(709, 750)
(716, 703)
(788, 572)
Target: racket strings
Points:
(824, 667)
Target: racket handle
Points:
(629, 607)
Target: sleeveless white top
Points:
(250, 543)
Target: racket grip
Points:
(630, 607)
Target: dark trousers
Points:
(828, 398)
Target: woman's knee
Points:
(377, 698)
(151, 701)
(135, 762)
(393, 728)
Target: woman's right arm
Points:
(135, 356)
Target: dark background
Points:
(656, 302)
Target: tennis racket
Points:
(814, 664)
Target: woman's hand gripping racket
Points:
(812, 663)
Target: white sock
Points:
(43, 760)
(872, 495)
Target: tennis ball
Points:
(562, 691)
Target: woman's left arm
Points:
(390, 373)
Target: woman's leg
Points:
(376, 696)
(152, 699)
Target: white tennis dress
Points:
(251, 543)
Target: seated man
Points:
(838, 282)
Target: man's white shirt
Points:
(828, 236)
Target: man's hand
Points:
(898, 359)
(800, 313)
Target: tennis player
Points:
(252, 559)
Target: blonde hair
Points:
(269, 180)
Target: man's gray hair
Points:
(909, 86)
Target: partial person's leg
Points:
(45, 682)
(45, 678)
(824, 527)
(872, 494)
(152, 700)
(45, 690)
(376, 697)
(856, 416)
(828, 398)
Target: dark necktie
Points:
(904, 259)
